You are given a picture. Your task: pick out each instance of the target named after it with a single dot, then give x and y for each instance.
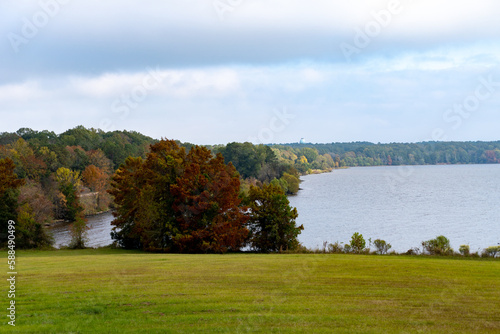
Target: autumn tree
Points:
(272, 220)
(69, 183)
(178, 201)
(30, 233)
(207, 206)
(32, 195)
(97, 180)
(9, 184)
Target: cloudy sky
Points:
(217, 71)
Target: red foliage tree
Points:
(175, 201)
(207, 205)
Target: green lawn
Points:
(116, 291)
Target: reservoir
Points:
(401, 205)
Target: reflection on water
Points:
(98, 233)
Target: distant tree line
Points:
(369, 154)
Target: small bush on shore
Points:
(438, 246)
(464, 250)
(382, 246)
(491, 251)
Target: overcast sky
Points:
(219, 71)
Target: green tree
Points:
(292, 182)
(382, 246)
(79, 236)
(272, 220)
(464, 250)
(310, 153)
(357, 243)
(438, 246)
(29, 232)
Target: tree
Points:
(69, 184)
(97, 180)
(78, 234)
(127, 184)
(357, 243)
(292, 182)
(438, 246)
(464, 250)
(9, 184)
(29, 232)
(382, 246)
(40, 206)
(178, 201)
(491, 251)
(8, 179)
(310, 153)
(207, 205)
(272, 220)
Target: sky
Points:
(264, 71)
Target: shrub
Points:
(78, 234)
(491, 251)
(357, 243)
(335, 248)
(464, 250)
(438, 246)
(382, 246)
(413, 251)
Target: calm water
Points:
(402, 205)
(99, 231)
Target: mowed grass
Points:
(117, 291)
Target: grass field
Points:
(116, 291)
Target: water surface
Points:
(402, 205)
(98, 233)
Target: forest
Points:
(46, 177)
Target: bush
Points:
(438, 246)
(335, 248)
(464, 250)
(413, 251)
(491, 251)
(357, 243)
(78, 234)
(382, 246)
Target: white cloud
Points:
(21, 92)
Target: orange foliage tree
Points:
(95, 178)
(178, 201)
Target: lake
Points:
(98, 233)
(402, 205)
